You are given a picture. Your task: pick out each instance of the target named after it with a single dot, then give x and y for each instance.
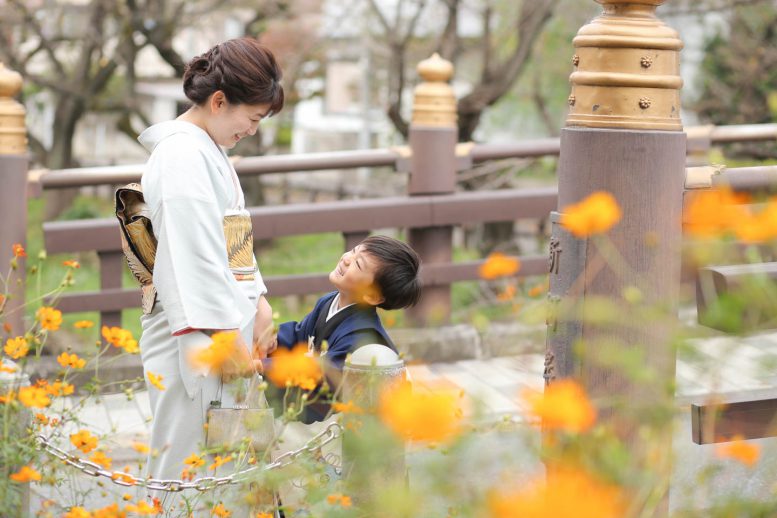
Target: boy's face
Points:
(354, 278)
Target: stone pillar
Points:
(623, 135)
(13, 194)
(432, 138)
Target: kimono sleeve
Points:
(191, 271)
(292, 333)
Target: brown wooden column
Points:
(433, 135)
(13, 193)
(623, 136)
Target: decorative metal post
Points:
(624, 136)
(13, 195)
(433, 136)
(373, 458)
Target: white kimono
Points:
(189, 186)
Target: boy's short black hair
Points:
(397, 271)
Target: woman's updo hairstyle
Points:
(243, 69)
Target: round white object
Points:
(377, 355)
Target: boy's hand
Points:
(264, 341)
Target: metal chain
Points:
(313, 446)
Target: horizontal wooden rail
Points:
(748, 415)
(102, 235)
(748, 179)
(279, 286)
(699, 137)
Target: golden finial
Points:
(13, 132)
(629, 70)
(434, 102)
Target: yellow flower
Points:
(595, 214)
(759, 227)
(83, 324)
(563, 406)
(100, 458)
(347, 408)
(497, 265)
(140, 447)
(219, 461)
(71, 264)
(34, 397)
(84, 441)
(221, 511)
(194, 460)
(124, 477)
(218, 352)
(294, 368)
(713, 212)
(71, 360)
(18, 250)
(744, 452)
(264, 515)
(49, 318)
(567, 492)
(429, 416)
(26, 474)
(42, 418)
(78, 512)
(156, 380)
(59, 389)
(122, 338)
(16, 347)
(110, 511)
(337, 498)
(143, 508)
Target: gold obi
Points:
(139, 243)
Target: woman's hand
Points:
(264, 341)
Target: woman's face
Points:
(232, 122)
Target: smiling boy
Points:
(380, 272)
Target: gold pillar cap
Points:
(434, 103)
(627, 70)
(13, 132)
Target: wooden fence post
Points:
(432, 138)
(624, 136)
(13, 194)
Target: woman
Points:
(205, 274)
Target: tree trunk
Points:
(69, 111)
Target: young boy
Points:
(380, 272)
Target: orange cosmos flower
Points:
(156, 380)
(84, 441)
(337, 498)
(539, 289)
(264, 515)
(294, 368)
(194, 460)
(507, 294)
(219, 461)
(100, 458)
(77, 512)
(7, 327)
(347, 408)
(158, 505)
(497, 265)
(595, 214)
(122, 338)
(18, 250)
(429, 416)
(59, 389)
(221, 511)
(42, 418)
(745, 452)
(567, 492)
(143, 508)
(713, 212)
(49, 318)
(34, 397)
(16, 347)
(8, 397)
(26, 474)
(218, 352)
(563, 406)
(110, 511)
(140, 447)
(8, 369)
(83, 324)
(123, 476)
(71, 264)
(71, 360)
